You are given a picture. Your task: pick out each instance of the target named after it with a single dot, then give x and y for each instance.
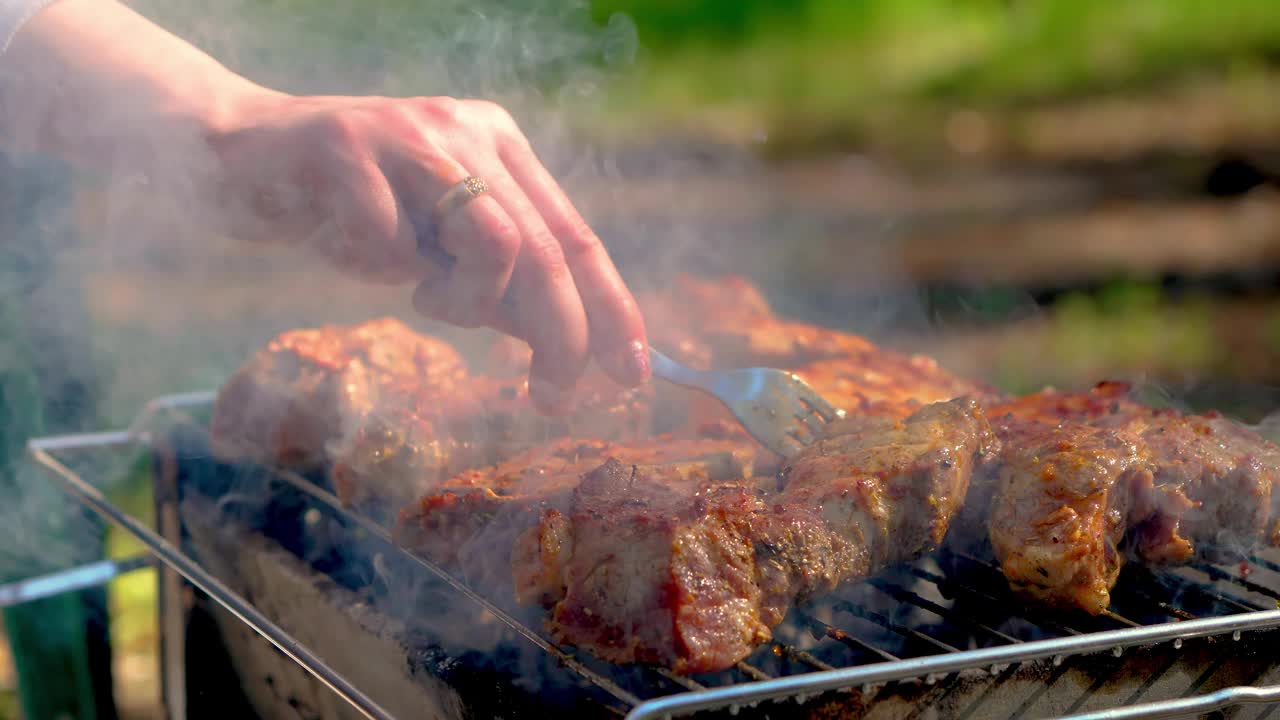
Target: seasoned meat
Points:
(884, 383)
(882, 490)
(1080, 472)
(1207, 491)
(682, 316)
(417, 441)
(648, 557)
(391, 412)
(660, 570)
(466, 515)
(1062, 495)
(653, 529)
(297, 394)
(725, 322)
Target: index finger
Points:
(618, 337)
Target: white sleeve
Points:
(14, 14)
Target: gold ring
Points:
(463, 192)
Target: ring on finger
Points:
(461, 193)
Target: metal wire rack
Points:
(927, 622)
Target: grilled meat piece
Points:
(689, 564)
(726, 322)
(412, 444)
(680, 317)
(884, 383)
(468, 515)
(1207, 491)
(1062, 496)
(297, 394)
(883, 490)
(1079, 472)
(391, 412)
(657, 569)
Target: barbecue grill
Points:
(357, 626)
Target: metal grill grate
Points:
(928, 623)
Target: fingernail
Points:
(548, 398)
(630, 365)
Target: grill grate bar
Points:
(331, 503)
(752, 671)
(1029, 614)
(851, 641)
(1220, 574)
(804, 657)
(198, 576)
(886, 623)
(1223, 596)
(1165, 607)
(902, 594)
(1165, 579)
(1273, 567)
(682, 681)
(1118, 618)
(946, 663)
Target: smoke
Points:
(176, 307)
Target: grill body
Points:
(939, 638)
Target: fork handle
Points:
(672, 371)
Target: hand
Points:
(349, 175)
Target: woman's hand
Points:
(356, 178)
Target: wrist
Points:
(234, 104)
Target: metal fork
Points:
(776, 407)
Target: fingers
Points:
(617, 329)
(480, 243)
(544, 303)
(432, 297)
(467, 288)
(366, 234)
(507, 272)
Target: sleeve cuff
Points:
(14, 14)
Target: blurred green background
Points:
(833, 71)
(1033, 191)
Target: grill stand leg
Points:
(173, 590)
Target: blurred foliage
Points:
(1127, 327)
(480, 48)
(1128, 324)
(851, 62)
(821, 69)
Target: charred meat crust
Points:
(391, 413)
(691, 567)
(1206, 486)
(685, 549)
(1081, 471)
(288, 401)
(725, 322)
(1062, 497)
